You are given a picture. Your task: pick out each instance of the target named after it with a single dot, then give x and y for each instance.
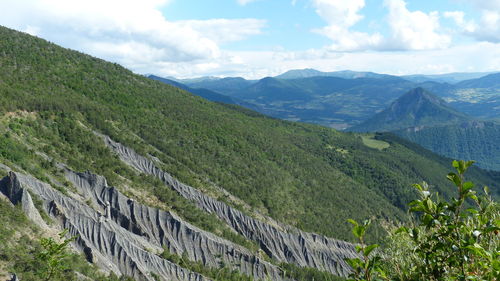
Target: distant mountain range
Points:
(451, 78)
(308, 72)
(343, 99)
(207, 94)
(367, 101)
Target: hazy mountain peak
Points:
(417, 107)
(300, 73)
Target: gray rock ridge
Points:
(284, 244)
(104, 242)
(166, 229)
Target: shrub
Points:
(456, 239)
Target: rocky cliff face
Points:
(104, 241)
(283, 243)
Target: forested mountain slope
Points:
(53, 100)
(418, 107)
(476, 140)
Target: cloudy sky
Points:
(257, 38)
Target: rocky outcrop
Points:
(103, 241)
(165, 229)
(284, 243)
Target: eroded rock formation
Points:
(282, 243)
(123, 236)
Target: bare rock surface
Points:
(166, 229)
(283, 243)
(103, 241)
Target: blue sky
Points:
(258, 38)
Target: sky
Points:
(259, 38)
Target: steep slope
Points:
(469, 140)
(416, 108)
(53, 100)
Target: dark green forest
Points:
(476, 140)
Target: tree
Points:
(53, 255)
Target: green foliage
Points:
(367, 268)
(452, 240)
(307, 273)
(52, 257)
(223, 273)
(473, 140)
(83, 150)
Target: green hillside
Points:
(472, 140)
(52, 99)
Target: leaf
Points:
(454, 178)
(417, 206)
(486, 190)
(478, 250)
(472, 211)
(467, 186)
(359, 231)
(369, 249)
(401, 230)
(418, 187)
(491, 229)
(355, 263)
(353, 222)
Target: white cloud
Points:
(459, 18)
(486, 4)
(225, 30)
(487, 27)
(473, 58)
(341, 16)
(255, 65)
(414, 30)
(410, 30)
(244, 2)
(133, 33)
(340, 13)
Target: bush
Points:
(451, 240)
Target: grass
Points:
(370, 141)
